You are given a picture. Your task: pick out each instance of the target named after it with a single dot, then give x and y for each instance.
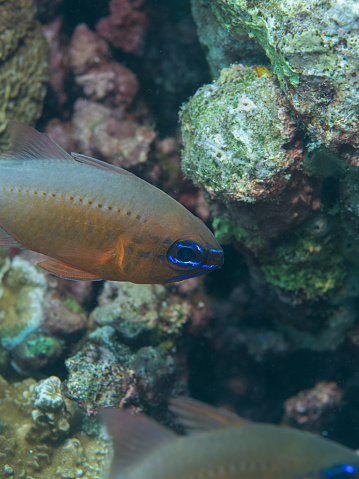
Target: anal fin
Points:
(67, 271)
(7, 241)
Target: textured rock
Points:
(235, 133)
(23, 64)
(313, 50)
(126, 26)
(141, 313)
(220, 48)
(313, 409)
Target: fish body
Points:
(226, 450)
(95, 220)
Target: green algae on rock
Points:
(41, 436)
(23, 64)
(314, 52)
(236, 133)
(220, 48)
(306, 266)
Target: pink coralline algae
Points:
(125, 28)
(57, 67)
(102, 126)
(100, 134)
(87, 50)
(103, 80)
(114, 84)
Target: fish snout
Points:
(215, 257)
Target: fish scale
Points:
(94, 220)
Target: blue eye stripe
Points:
(187, 263)
(190, 243)
(187, 254)
(184, 277)
(338, 471)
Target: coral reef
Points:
(99, 134)
(23, 64)
(271, 143)
(220, 48)
(100, 126)
(107, 373)
(129, 358)
(141, 312)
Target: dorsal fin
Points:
(133, 436)
(101, 165)
(29, 144)
(195, 416)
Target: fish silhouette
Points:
(95, 220)
(221, 446)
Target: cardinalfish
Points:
(94, 220)
(221, 445)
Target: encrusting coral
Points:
(34, 323)
(41, 435)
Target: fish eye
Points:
(185, 254)
(340, 471)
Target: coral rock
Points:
(314, 54)
(23, 64)
(125, 28)
(87, 50)
(40, 435)
(236, 133)
(314, 408)
(113, 84)
(123, 143)
(141, 312)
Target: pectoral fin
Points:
(133, 437)
(67, 271)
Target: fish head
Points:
(175, 247)
(185, 249)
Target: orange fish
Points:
(95, 220)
